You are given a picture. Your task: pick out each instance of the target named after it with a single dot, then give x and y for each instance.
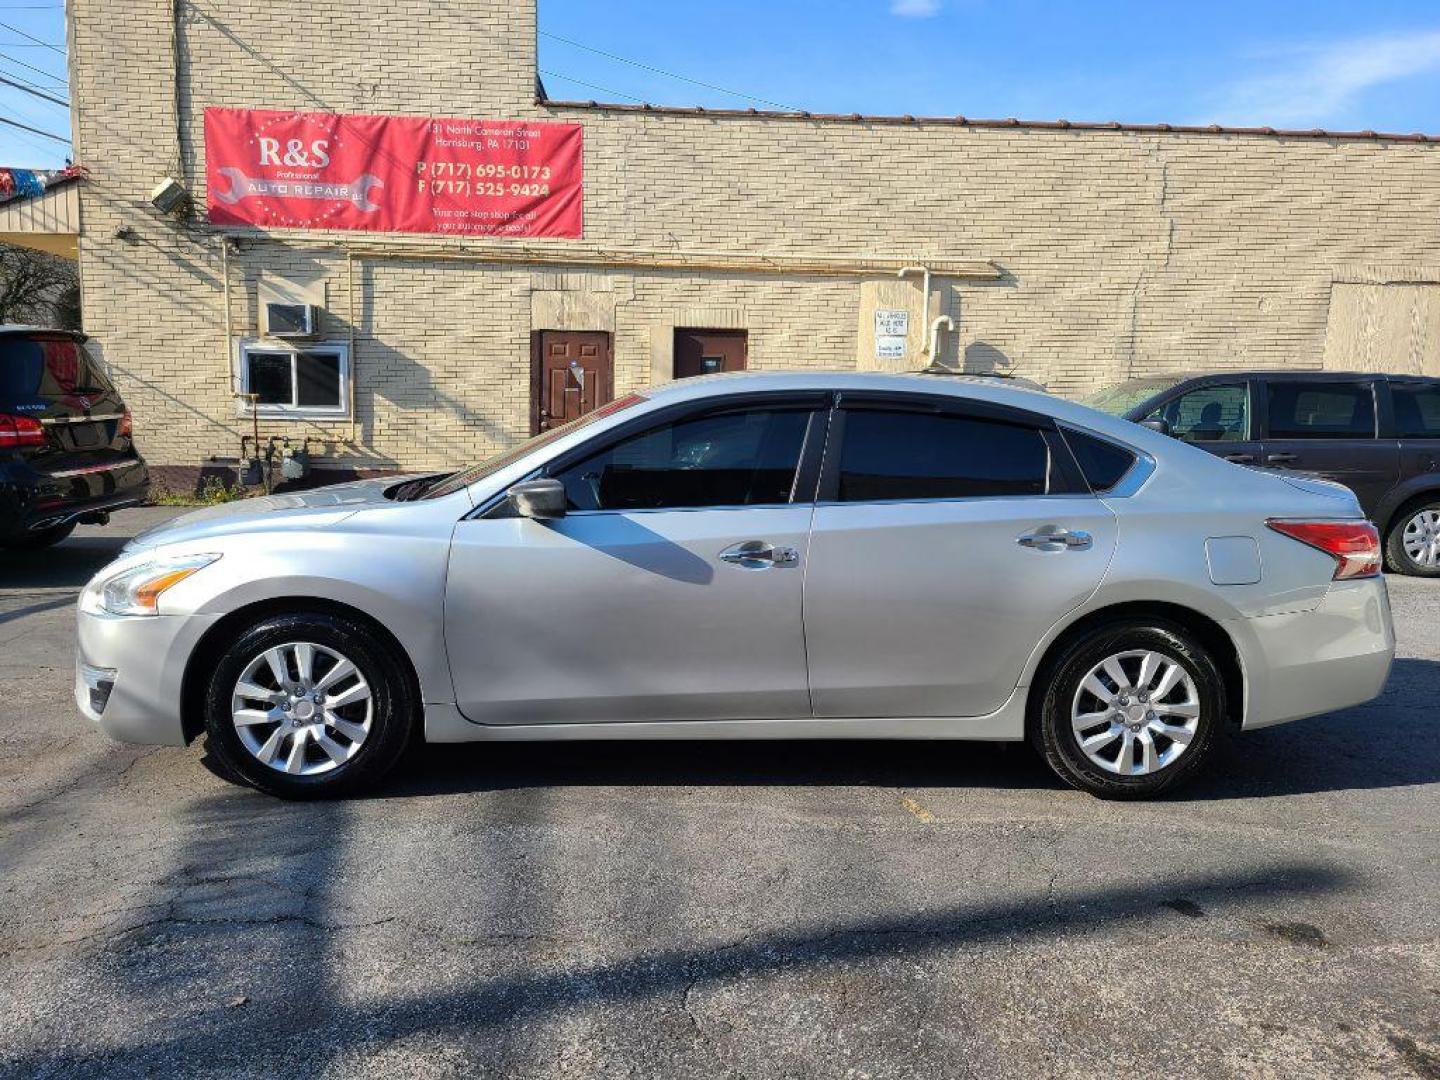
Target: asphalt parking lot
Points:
(847, 910)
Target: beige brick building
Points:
(1071, 254)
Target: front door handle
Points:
(1279, 459)
(1054, 538)
(759, 555)
(1240, 459)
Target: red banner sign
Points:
(290, 170)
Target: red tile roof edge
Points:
(1011, 122)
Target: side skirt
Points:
(445, 724)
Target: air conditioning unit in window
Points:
(289, 320)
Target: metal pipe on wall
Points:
(924, 271)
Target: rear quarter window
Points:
(1103, 463)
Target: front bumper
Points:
(143, 660)
(1331, 657)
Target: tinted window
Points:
(51, 367)
(269, 377)
(1103, 463)
(317, 380)
(904, 455)
(1326, 410)
(1209, 414)
(730, 459)
(1417, 411)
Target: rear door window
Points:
(1417, 411)
(1321, 410)
(909, 455)
(1219, 413)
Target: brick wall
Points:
(1122, 252)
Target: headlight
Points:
(136, 591)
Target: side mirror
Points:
(542, 499)
(1156, 424)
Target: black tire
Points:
(1396, 557)
(1052, 732)
(393, 706)
(43, 538)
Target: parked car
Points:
(1379, 435)
(755, 556)
(66, 451)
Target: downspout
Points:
(229, 326)
(949, 324)
(350, 321)
(924, 271)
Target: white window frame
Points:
(246, 346)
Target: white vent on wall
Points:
(284, 320)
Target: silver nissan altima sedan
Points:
(755, 556)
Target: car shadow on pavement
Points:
(1389, 742)
(68, 565)
(249, 930)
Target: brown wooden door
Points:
(709, 352)
(573, 373)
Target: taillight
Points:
(1354, 545)
(20, 431)
(126, 427)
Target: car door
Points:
(948, 539)
(1327, 428)
(671, 590)
(1217, 417)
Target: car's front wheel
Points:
(309, 706)
(1130, 708)
(1413, 546)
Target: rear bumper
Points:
(31, 500)
(1305, 663)
(143, 660)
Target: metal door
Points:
(709, 352)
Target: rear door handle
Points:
(1240, 459)
(1054, 538)
(1279, 459)
(759, 555)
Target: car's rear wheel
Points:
(1129, 709)
(1413, 546)
(309, 706)
(40, 538)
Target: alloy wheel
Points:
(302, 708)
(1421, 539)
(1135, 712)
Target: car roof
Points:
(1289, 375)
(26, 328)
(1003, 392)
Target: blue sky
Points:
(1322, 63)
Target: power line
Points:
(48, 74)
(34, 93)
(592, 86)
(32, 37)
(661, 71)
(33, 130)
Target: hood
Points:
(313, 509)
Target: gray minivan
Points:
(1377, 434)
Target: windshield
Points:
(1119, 399)
(465, 477)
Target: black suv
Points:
(1379, 435)
(66, 455)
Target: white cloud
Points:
(915, 9)
(1317, 85)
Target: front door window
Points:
(1209, 414)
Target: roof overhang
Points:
(47, 222)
